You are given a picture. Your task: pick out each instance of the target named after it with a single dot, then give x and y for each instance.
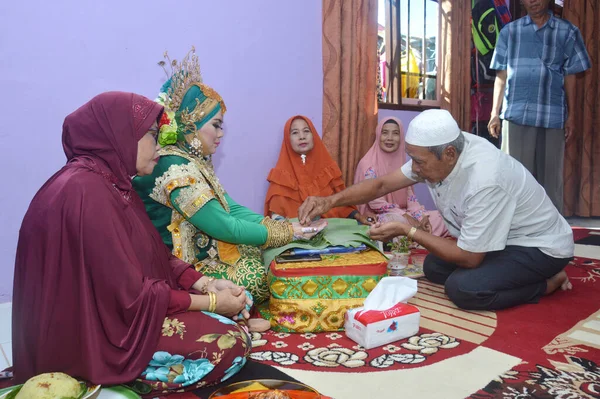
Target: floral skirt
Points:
(248, 271)
(196, 349)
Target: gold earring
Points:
(196, 147)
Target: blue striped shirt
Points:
(537, 60)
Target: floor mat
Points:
(555, 341)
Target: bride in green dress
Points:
(186, 202)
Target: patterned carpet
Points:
(446, 331)
(548, 350)
(551, 349)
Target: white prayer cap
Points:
(432, 127)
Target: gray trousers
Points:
(542, 152)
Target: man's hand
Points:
(424, 224)
(495, 126)
(411, 220)
(311, 208)
(569, 128)
(387, 231)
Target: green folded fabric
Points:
(345, 232)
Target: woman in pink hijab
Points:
(386, 155)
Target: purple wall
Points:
(263, 56)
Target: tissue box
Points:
(371, 328)
(314, 296)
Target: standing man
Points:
(536, 59)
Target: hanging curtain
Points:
(349, 80)
(455, 51)
(582, 154)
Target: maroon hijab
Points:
(92, 275)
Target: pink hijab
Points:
(378, 162)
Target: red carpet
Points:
(558, 340)
(585, 236)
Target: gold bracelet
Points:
(411, 233)
(279, 233)
(212, 302)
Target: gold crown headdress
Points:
(183, 76)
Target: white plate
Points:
(117, 393)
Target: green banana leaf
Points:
(345, 232)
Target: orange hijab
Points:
(291, 182)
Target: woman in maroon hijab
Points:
(97, 294)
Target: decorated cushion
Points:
(314, 296)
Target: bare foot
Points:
(566, 285)
(559, 280)
(258, 325)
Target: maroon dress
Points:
(97, 294)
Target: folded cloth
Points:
(339, 232)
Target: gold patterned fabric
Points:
(279, 232)
(198, 184)
(199, 171)
(248, 271)
(314, 296)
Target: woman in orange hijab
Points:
(304, 169)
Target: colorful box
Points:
(314, 296)
(372, 328)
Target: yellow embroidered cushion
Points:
(314, 296)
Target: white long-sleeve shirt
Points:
(490, 200)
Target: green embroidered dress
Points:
(184, 199)
(201, 223)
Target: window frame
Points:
(393, 31)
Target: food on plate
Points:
(275, 394)
(51, 386)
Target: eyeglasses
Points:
(153, 130)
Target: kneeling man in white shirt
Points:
(512, 243)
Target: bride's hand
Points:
(308, 232)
